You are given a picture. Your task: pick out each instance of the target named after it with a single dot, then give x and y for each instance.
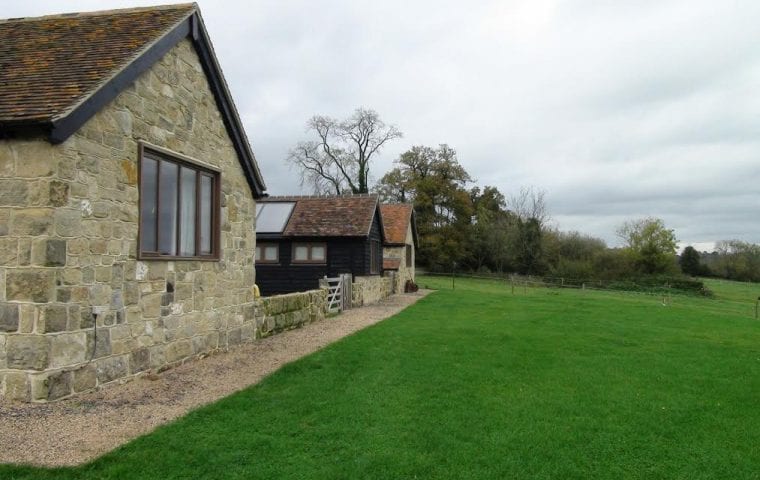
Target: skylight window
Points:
(272, 217)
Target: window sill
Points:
(144, 258)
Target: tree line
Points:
(468, 227)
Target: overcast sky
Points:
(618, 109)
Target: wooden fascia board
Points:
(63, 127)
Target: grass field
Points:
(477, 383)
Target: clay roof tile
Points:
(50, 64)
(396, 218)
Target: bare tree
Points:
(339, 159)
(530, 203)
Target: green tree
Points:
(737, 260)
(489, 233)
(529, 253)
(650, 244)
(689, 261)
(434, 181)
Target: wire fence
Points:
(663, 292)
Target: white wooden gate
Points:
(334, 294)
(338, 293)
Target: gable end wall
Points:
(404, 273)
(77, 310)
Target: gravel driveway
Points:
(76, 430)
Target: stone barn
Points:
(127, 200)
(399, 242)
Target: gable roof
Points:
(337, 216)
(57, 71)
(397, 217)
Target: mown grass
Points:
(479, 383)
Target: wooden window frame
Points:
(263, 246)
(201, 169)
(309, 246)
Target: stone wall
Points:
(369, 290)
(286, 312)
(77, 309)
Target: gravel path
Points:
(77, 430)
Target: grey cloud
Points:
(618, 109)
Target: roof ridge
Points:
(306, 197)
(94, 13)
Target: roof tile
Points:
(344, 216)
(50, 64)
(396, 218)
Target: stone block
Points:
(100, 294)
(32, 221)
(131, 294)
(58, 193)
(17, 386)
(9, 317)
(98, 246)
(68, 222)
(5, 221)
(59, 385)
(68, 349)
(39, 160)
(70, 276)
(101, 209)
(38, 384)
(28, 352)
(112, 368)
(7, 160)
(54, 318)
(30, 285)
(49, 252)
(14, 193)
(151, 305)
(98, 343)
(84, 378)
(103, 274)
(178, 350)
(139, 360)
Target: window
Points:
(409, 252)
(267, 253)
(374, 256)
(179, 208)
(309, 253)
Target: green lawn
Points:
(477, 383)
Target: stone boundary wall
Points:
(262, 318)
(369, 290)
(286, 312)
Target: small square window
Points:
(270, 253)
(301, 254)
(310, 253)
(318, 253)
(267, 253)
